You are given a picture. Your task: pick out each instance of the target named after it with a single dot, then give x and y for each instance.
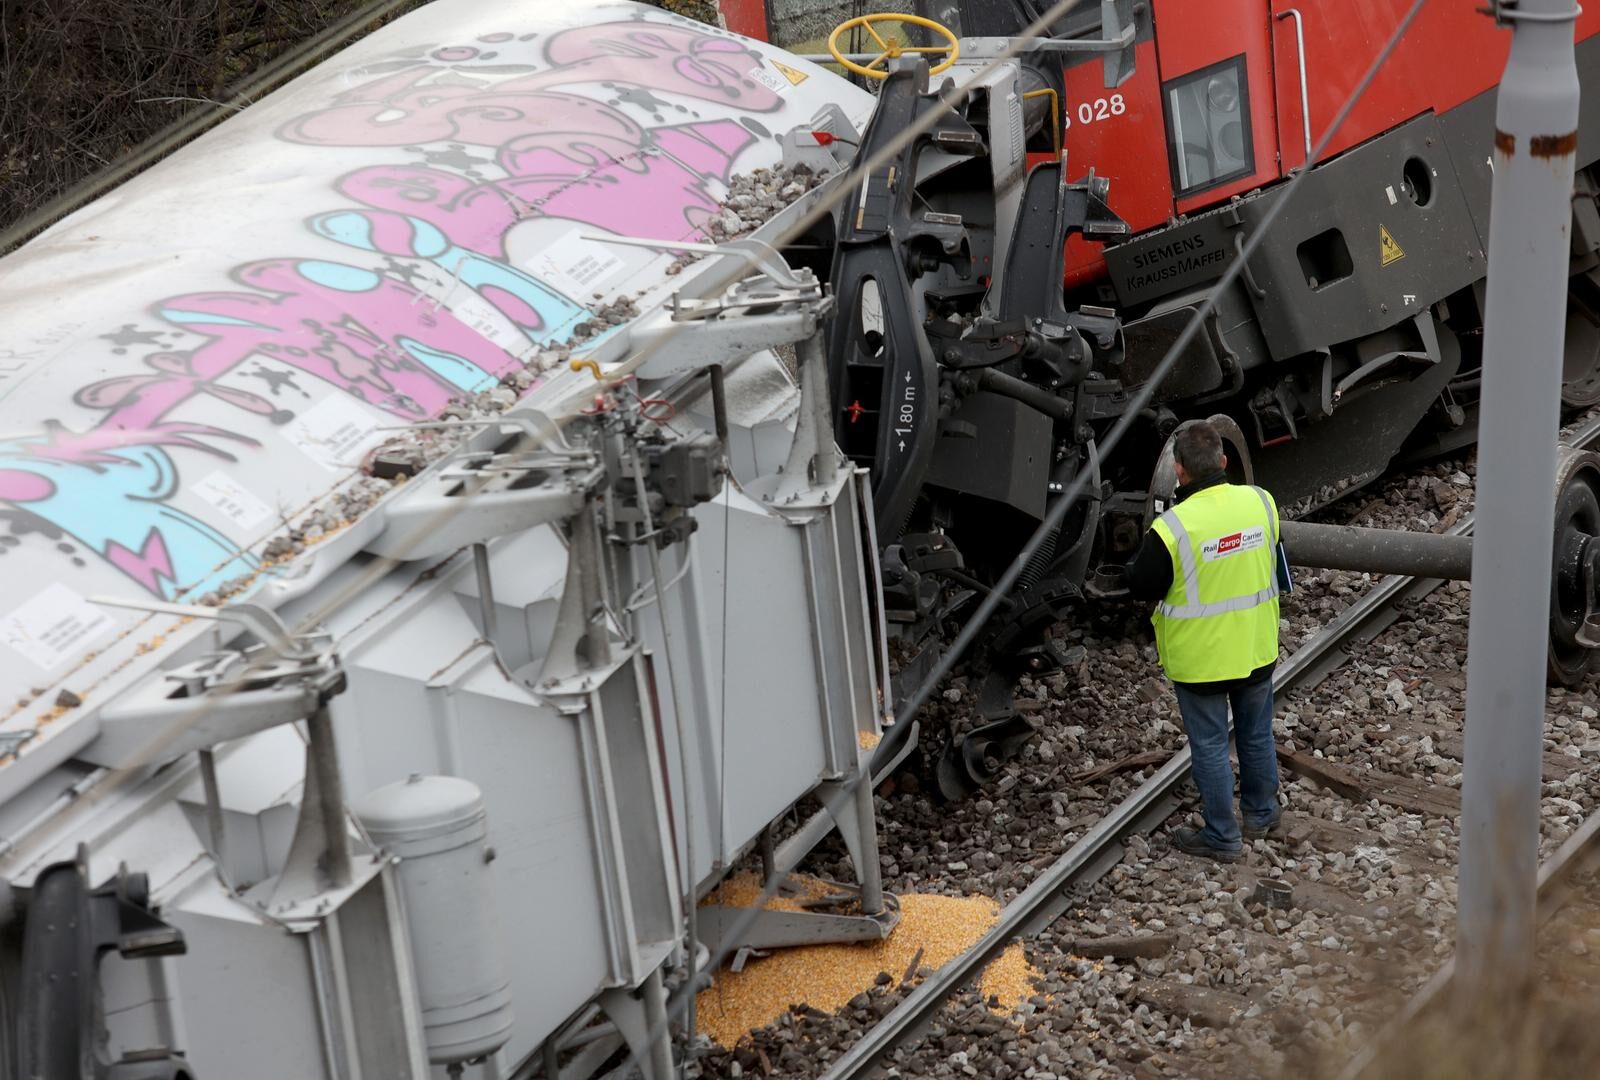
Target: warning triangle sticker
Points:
(794, 76)
(1388, 247)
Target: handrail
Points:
(1300, 46)
(1055, 114)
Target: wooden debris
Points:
(1204, 1005)
(1366, 510)
(1132, 761)
(1146, 946)
(1408, 793)
(1415, 796)
(911, 968)
(1335, 778)
(1556, 766)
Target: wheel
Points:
(1580, 360)
(892, 49)
(1575, 573)
(1164, 481)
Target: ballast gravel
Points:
(1248, 990)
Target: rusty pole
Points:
(1536, 124)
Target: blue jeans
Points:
(1205, 718)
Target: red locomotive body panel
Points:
(1213, 108)
(1192, 38)
(1099, 125)
(1450, 54)
(747, 17)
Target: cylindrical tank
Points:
(438, 828)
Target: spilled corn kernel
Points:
(827, 977)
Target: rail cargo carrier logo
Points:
(1233, 543)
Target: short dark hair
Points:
(1198, 448)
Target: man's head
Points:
(1197, 450)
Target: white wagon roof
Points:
(197, 358)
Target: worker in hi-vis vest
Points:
(1214, 561)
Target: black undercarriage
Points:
(978, 391)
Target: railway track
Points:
(1059, 886)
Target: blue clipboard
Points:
(1281, 561)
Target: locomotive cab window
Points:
(1208, 127)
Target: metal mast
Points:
(1535, 137)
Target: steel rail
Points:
(1098, 849)
(1152, 802)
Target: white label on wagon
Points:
(230, 500)
(54, 627)
(336, 432)
(576, 267)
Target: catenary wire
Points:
(713, 281)
(706, 283)
(1068, 497)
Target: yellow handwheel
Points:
(892, 49)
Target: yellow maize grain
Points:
(827, 977)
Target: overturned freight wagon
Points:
(381, 689)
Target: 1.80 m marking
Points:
(906, 413)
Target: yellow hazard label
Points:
(1389, 247)
(794, 76)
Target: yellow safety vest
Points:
(1220, 618)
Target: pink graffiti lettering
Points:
(98, 447)
(474, 216)
(659, 195)
(171, 369)
(666, 58)
(349, 339)
(396, 111)
(149, 566)
(564, 154)
(20, 487)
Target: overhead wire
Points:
(712, 281)
(1070, 496)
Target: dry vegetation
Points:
(83, 82)
(704, 10)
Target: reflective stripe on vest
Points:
(1193, 609)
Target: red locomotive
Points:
(976, 384)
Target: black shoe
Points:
(1259, 832)
(1190, 842)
